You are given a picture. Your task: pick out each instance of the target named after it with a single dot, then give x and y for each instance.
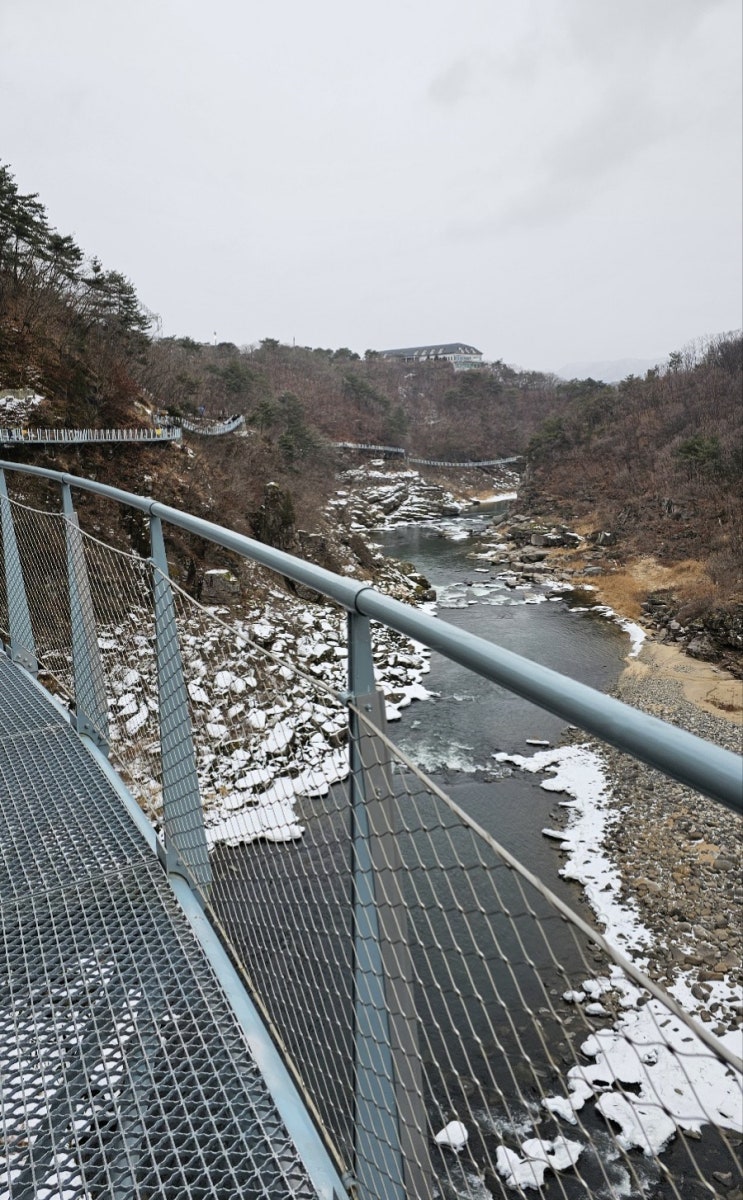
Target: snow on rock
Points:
(272, 820)
(224, 680)
(558, 835)
(279, 737)
(262, 631)
(453, 1136)
(644, 1126)
(636, 633)
(17, 404)
(292, 728)
(317, 781)
(675, 1081)
(256, 778)
(527, 1170)
(136, 722)
(385, 499)
(579, 772)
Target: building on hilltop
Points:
(461, 356)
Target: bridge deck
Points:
(123, 1072)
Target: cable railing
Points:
(25, 435)
(455, 1027)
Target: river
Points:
(498, 1053)
(470, 719)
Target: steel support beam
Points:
(22, 648)
(91, 706)
(183, 818)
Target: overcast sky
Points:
(551, 180)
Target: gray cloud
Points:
(452, 84)
(429, 171)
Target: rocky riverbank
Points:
(679, 853)
(641, 589)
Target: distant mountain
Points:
(609, 372)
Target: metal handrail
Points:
(689, 759)
(26, 435)
(214, 430)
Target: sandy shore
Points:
(703, 684)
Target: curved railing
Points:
(215, 429)
(438, 1002)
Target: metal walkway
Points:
(123, 1070)
(20, 436)
(457, 1028)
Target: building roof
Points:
(433, 351)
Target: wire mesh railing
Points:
(21, 434)
(213, 428)
(457, 1029)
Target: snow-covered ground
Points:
(379, 496)
(268, 723)
(16, 405)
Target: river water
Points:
(454, 737)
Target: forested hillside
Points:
(655, 462)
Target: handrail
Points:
(682, 756)
(215, 430)
(25, 435)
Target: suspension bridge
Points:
(250, 949)
(399, 452)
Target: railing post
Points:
(183, 818)
(91, 706)
(22, 649)
(390, 1138)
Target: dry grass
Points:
(627, 585)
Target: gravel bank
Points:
(680, 856)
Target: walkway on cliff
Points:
(39, 436)
(267, 956)
(123, 1069)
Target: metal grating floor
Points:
(123, 1072)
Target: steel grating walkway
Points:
(123, 1071)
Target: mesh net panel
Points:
(525, 1057)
